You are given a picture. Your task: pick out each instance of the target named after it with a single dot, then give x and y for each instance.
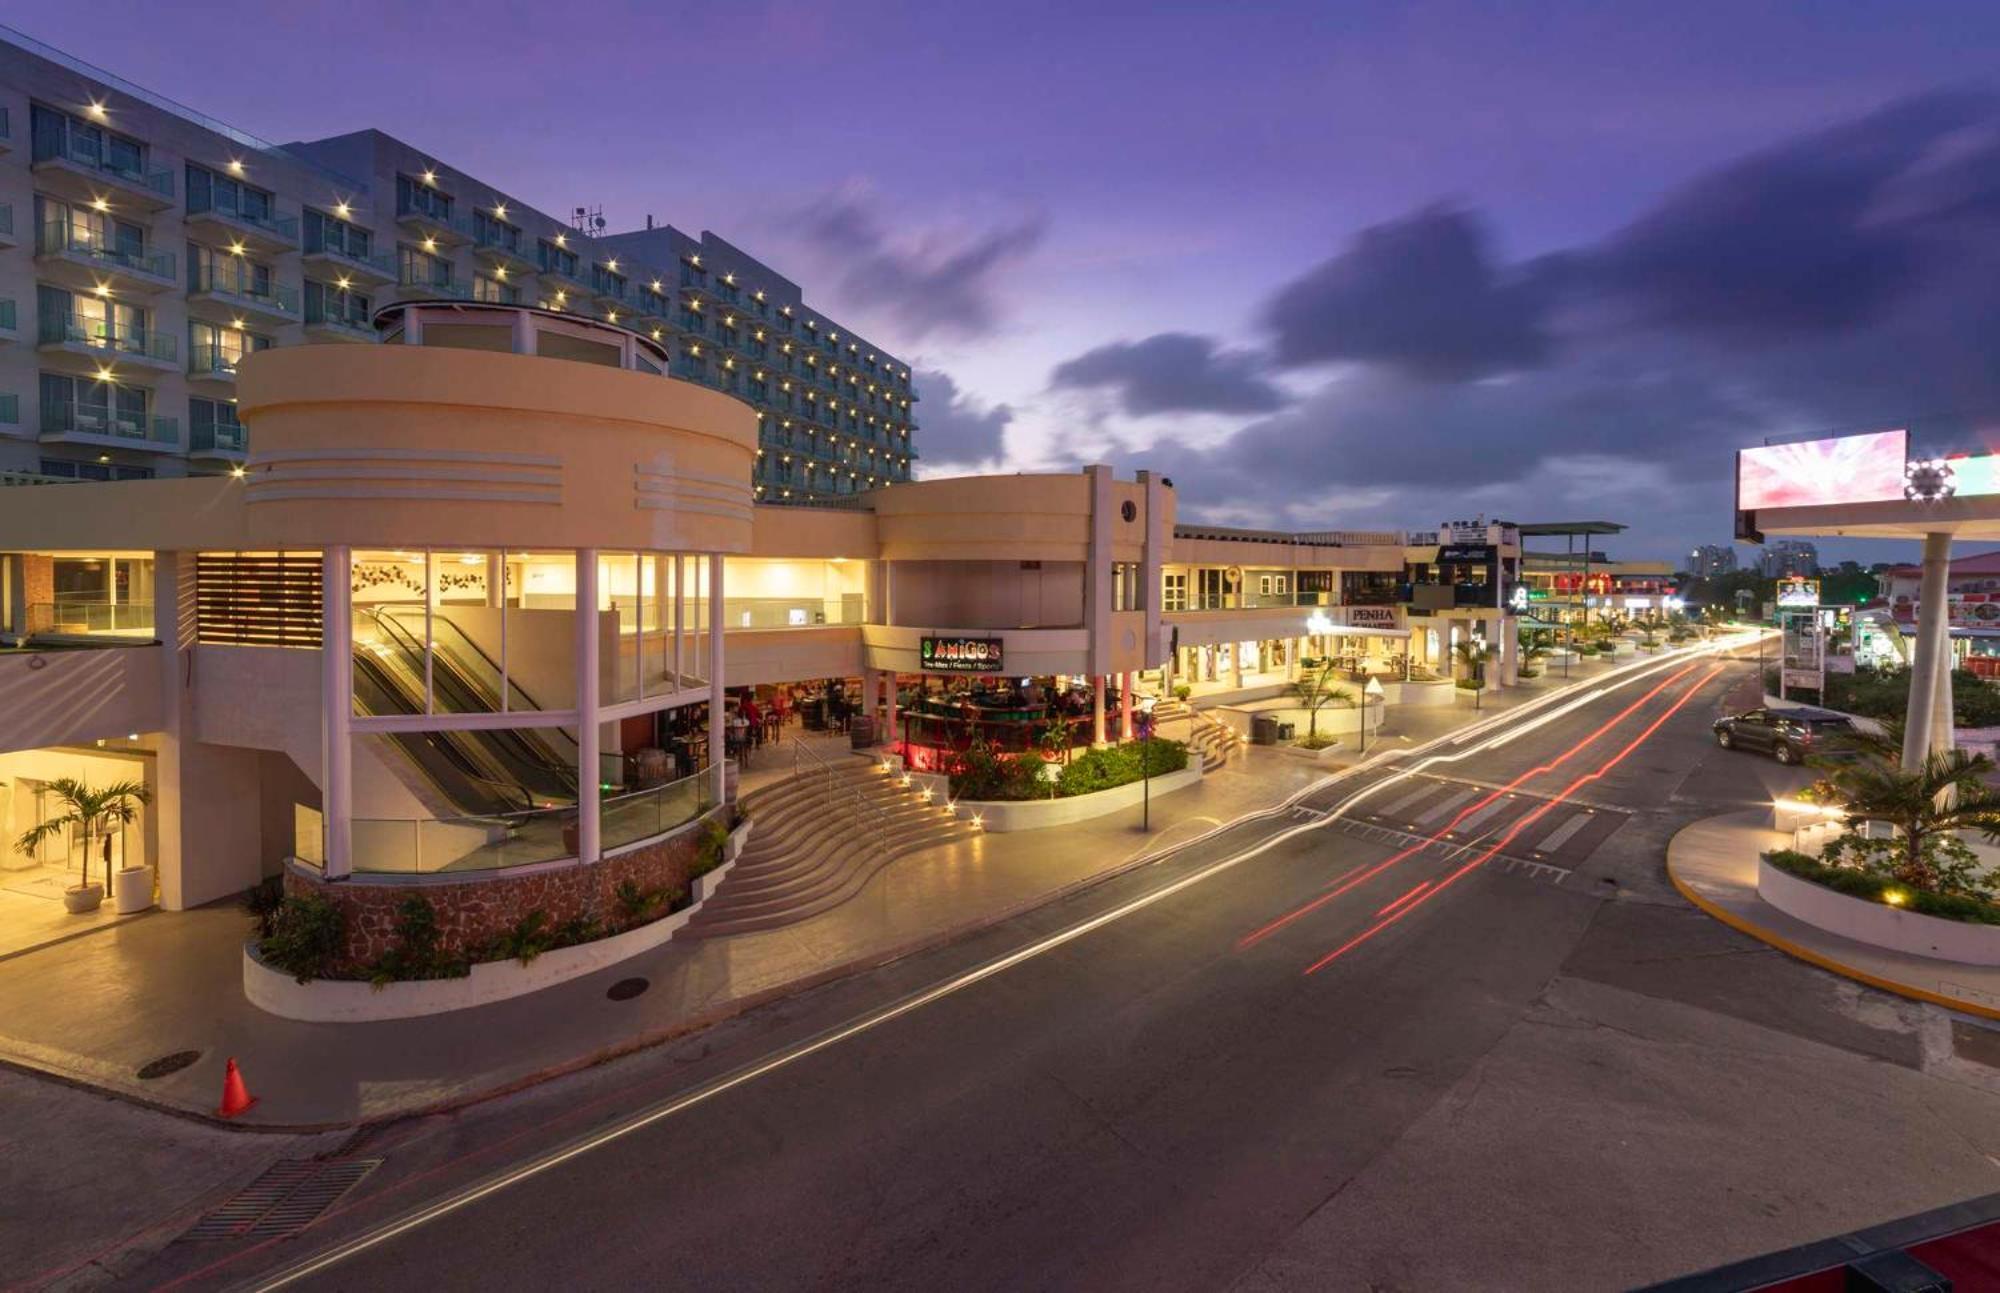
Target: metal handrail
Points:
(831, 791)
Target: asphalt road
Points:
(1212, 1088)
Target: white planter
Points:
(999, 815)
(133, 888)
(1878, 924)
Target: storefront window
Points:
(766, 594)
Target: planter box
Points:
(1034, 814)
(348, 1001)
(1878, 924)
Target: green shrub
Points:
(528, 939)
(1319, 742)
(1183, 690)
(416, 954)
(710, 849)
(1871, 886)
(1120, 765)
(636, 906)
(261, 902)
(308, 934)
(1467, 684)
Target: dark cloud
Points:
(934, 288)
(1421, 295)
(1174, 372)
(1821, 234)
(954, 428)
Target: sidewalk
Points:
(96, 1010)
(1713, 864)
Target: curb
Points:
(777, 992)
(1822, 960)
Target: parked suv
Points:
(1788, 735)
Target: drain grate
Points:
(626, 989)
(166, 1064)
(287, 1198)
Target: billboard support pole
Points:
(1933, 651)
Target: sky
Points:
(1341, 264)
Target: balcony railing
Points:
(441, 291)
(65, 419)
(10, 319)
(281, 227)
(94, 155)
(212, 437)
(207, 359)
(459, 225)
(10, 409)
(56, 237)
(245, 288)
(76, 617)
(381, 262)
(318, 314)
(103, 334)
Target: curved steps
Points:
(1214, 741)
(809, 852)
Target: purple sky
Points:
(1328, 264)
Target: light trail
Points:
(1383, 922)
(1421, 886)
(1350, 880)
(648, 1116)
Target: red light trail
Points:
(1361, 875)
(1383, 922)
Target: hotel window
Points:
(693, 275)
(207, 191)
(556, 260)
(210, 270)
(493, 291)
(414, 197)
(57, 134)
(86, 405)
(331, 303)
(212, 424)
(90, 320)
(607, 281)
(491, 231)
(653, 303)
(1209, 590)
(67, 227)
(691, 318)
(330, 234)
(69, 470)
(212, 348)
(417, 268)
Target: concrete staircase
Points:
(817, 838)
(1211, 740)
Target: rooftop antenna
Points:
(588, 221)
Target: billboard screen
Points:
(1811, 473)
(1795, 593)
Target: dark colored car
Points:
(1788, 735)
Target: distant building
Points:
(1788, 557)
(1712, 559)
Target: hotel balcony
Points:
(506, 255)
(6, 132)
(218, 441)
(265, 233)
(358, 269)
(228, 294)
(429, 291)
(7, 236)
(323, 324)
(68, 424)
(571, 289)
(86, 172)
(81, 263)
(208, 362)
(99, 344)
(10, 320)
(449, 230)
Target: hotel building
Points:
(145, 250)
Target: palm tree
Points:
(1472, 653)
(94, 814)
(1534, 646)
(1316, 688)
(1946, 793)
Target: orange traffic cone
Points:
(235, 1096)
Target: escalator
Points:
(519, 767)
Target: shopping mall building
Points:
(381, 526)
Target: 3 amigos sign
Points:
(961, 655)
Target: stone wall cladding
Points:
(473, 912)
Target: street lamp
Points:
(1373, 691)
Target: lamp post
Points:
(1145, 726)
(1373, 691)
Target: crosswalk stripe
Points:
(1449, 805)
(1561, 835)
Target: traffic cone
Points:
(235, 1096)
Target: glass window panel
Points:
(540, 624)
(465, 634)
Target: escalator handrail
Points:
(552, 761)
(505, 791)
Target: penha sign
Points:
(961, 655)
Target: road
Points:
(1441, 1022)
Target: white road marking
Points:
(469, 1195)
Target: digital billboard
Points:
(1796, 593)
(1814, 473)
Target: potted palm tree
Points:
(95, 815)
(1315, 690)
